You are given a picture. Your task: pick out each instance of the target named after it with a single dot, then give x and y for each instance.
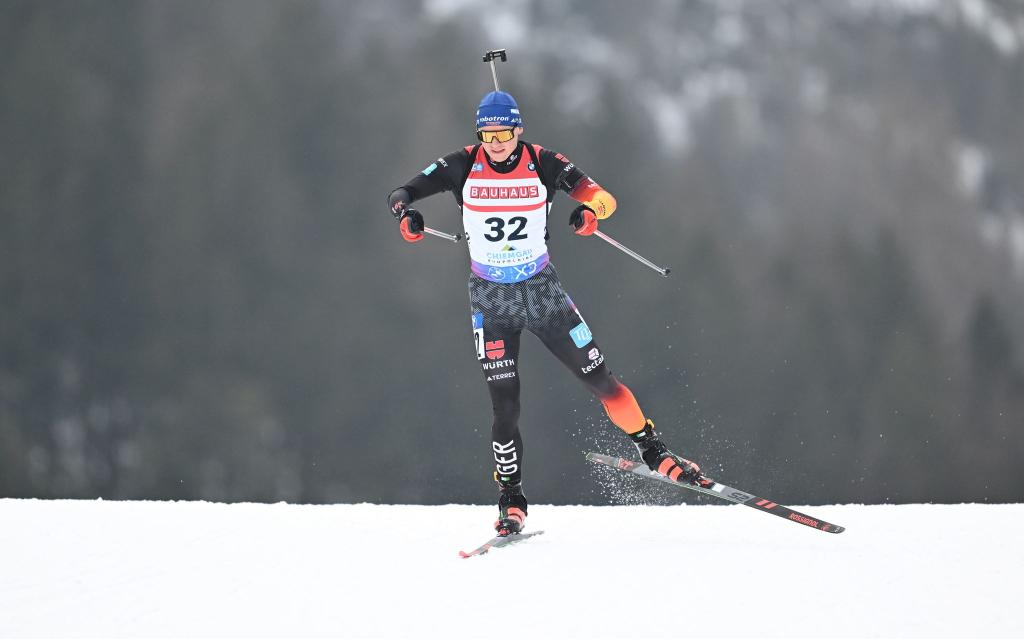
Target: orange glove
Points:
(411, 225)
(583, 219)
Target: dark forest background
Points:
(204, 296)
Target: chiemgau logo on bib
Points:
(509, 254)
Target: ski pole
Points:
(489, 57)
(643, 260)
(442, 234)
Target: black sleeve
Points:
(444, 174)
(556, 171)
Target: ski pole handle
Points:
(633, 254)
(442, 234)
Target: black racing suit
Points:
(501, 310)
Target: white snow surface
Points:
(198, 569)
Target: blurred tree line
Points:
(205, 297)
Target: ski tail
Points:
(719, 490)
(499, 542)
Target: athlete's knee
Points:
(601, 382)
(505, 430)
(506, 409)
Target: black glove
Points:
(397, 202)
(583, 219)
(398, 209)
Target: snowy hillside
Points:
(195, 569)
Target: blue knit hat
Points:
(498, 109)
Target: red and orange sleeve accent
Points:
(590, 193)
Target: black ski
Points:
(716, 489)
(500, 542)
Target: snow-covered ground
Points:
(195, 569)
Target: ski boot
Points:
(511, 510)
(661, 460)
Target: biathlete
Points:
(505, 187)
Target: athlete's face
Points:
(499, 151)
